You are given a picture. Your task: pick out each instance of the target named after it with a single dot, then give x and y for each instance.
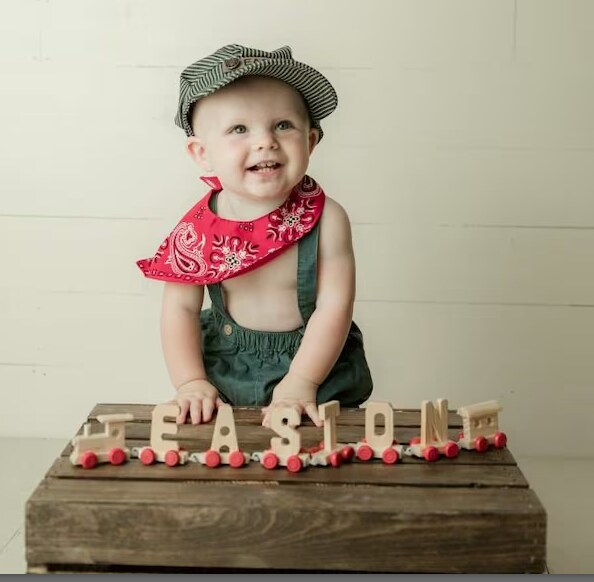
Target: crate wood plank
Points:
(382, 529)
(438, 474)
(253, 415)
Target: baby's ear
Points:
(314, 136)
(196, 151)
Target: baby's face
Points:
(255, 136)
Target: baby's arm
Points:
(329, 324)
(182, 348)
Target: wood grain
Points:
(325, 527)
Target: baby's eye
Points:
(238, 129)
(284, 124)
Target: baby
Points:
(274, 251)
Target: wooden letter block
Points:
(328, 413)
(331, 453)
(224, 434)
(160, 426)
(224, 449)
(372, 411)
(161, 450)
(285, 449)
(379, 446)
(434, 433)
(284, 422)
(434, 422)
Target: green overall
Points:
(245, 365)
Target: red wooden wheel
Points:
(415, 441)
(390, 456)
(171, 458)
(335, 459)
(270, 461)
(347, 453)
(236, 459)
(116, 456)
(500, 440)
(451, 449)
(481, 444)
(212, 458)
(147, 456)
(88, 460)
(294, 464)
(365, 453)
(431, 453)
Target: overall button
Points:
(227, 329)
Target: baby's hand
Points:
(295, 392)
(198, 398)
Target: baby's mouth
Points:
(264, 167)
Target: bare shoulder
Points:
(335, 231)
(335, 228)
(334, 212)
(183, 295)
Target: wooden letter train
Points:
(479, 422)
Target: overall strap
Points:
(307, 273)
(216, 297)
(215, 290)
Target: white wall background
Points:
(463, 149)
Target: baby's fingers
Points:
(196, 410)
(184, 407)
(208, 405)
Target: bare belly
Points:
(266, 299)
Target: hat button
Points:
(227, 329)
(232, 63)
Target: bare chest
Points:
(266, 298)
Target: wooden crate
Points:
(474, 513)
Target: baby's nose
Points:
(264, 141)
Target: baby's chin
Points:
(269, 185)
(266, 192)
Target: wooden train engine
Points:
(108, 446)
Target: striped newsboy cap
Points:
(233, 61)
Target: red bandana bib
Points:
(204, 248)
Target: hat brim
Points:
(319, 95)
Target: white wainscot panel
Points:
(474, 265)
(535, 360)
